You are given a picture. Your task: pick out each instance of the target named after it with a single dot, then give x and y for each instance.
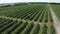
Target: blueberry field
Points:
(26, 19)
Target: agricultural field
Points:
(56, 9)
(26, 19)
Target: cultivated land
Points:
(56, 21)
(56, 9)
(27, 19)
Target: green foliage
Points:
(26, 19)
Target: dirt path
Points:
(55, 20)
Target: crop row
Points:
(8, 26)
(40, 18)
(37, 13)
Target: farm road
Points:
(55, 20)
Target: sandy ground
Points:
(55, 20)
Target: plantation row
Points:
(8, 26)
(34, 12)
(56, 9)
(38, 20)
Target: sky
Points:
(14, 1)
